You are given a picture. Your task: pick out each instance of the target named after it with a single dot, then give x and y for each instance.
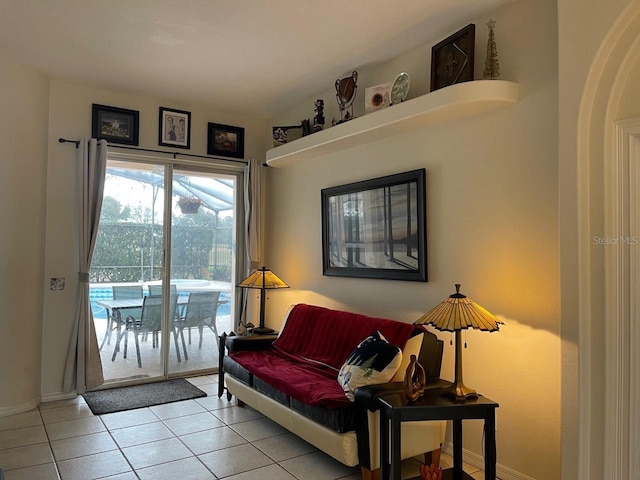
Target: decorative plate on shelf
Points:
(400, 88)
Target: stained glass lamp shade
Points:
(454, 314)
(262, 279)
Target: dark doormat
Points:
(139, 396)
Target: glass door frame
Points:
(169, 162)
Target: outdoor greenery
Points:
(129, 246)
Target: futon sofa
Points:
(293, 380)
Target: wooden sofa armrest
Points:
(239, 343)
(366, 397)
(431, 355)
(236, 343)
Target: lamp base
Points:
(263, 330)
(459, 391)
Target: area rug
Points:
(139, 396)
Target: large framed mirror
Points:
(376, 228)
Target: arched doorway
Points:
(609, 366)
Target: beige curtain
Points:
(83, 369)
(253, 214)
(253, 178)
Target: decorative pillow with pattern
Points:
(373, 361)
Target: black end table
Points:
(395, 409)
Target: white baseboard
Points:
(54, 396)
(23, 407)
(31, 404)
(475, 460)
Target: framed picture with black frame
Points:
(225, 140)
(174, 128)
(114, 124)
(452, 58)
(376, 228)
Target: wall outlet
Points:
(56, 284)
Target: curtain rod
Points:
(175, 154)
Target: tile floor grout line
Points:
(46, 432)
(126, 459)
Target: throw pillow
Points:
(373, 361)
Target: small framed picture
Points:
(225, 140)
(285, 134)
(174, 128)
(115, 125)
(452, 58)
(377, 97)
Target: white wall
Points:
(23, 155)
(70, 117)
(492, 226)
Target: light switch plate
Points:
(56, 284)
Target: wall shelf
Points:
(444, 105)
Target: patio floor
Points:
(123, 369)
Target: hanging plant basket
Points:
(189, 205)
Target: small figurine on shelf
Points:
(318, 120)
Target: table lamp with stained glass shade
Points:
(262, 279)
(454, 314)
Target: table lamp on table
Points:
(454, 314)
(262, 279)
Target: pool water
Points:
(97, 292)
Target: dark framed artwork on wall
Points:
(174, 128)
(376, 228)
(114, 124)
(452, 58)
(225, 140)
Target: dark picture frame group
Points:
(452, 60)
(376, 228)
(174, 128)
(225, 140)
(115, 125)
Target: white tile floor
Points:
(207, 438)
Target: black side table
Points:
(239, 342)
(394, 409)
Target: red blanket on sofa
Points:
(314, 343)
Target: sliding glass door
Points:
(202, 257)
(163, 268)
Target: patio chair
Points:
(150, 322)
(121, 292)
(155, 290)
(200, 312)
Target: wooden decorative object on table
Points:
(414, 380)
